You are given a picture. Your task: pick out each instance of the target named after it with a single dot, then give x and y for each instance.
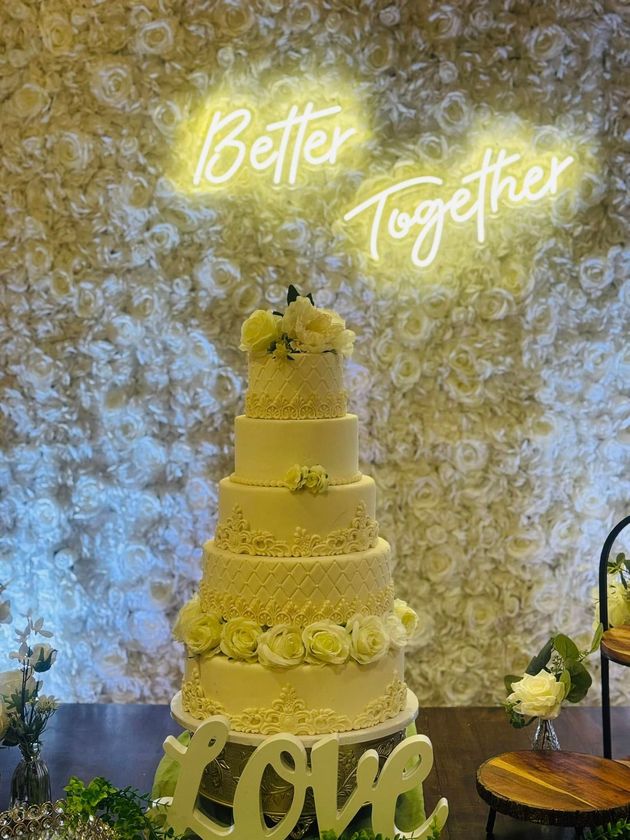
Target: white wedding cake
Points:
(295, 627)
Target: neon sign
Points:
(427, 221)
(287, 142)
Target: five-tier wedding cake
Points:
(295, 627)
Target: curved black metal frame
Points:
(603, 617)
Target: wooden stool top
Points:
(615, 644)
(554, 787)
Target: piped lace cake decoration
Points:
(289, 713)
(332, 482)
(270, 612)
(236, 534)
(277, 407)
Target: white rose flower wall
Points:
(491, 383)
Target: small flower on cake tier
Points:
(281, 647)
(239, 639)
(313, 478)
(188, 613)
(326, 643)
(369, 640)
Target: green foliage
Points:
(620, 566)
(125, 809)
(368, 834)
(611, 831)
(541, 659)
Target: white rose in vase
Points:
(539, 695)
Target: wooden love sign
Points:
(287, 756)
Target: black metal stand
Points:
(603, 617)
(492, 815)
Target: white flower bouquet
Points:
(555, 674)
(302, 328)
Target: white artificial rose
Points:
(369, 640)
(155, 37)
(259, 331)
(538, 695)
(29, 101)
(396, 630)
(203, 634)
(407, 615)
(239, 639)
(111, 82)
(281, 647)
(618, 604)
(187, 614)
(326, 643)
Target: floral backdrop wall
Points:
(492, 387)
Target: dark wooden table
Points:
(124, 744)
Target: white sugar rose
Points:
(408, 617)
(369, 640)
(239, 639)
(295, 477)
(396, 630)
(326, 643)
(259, 331)
(316, 479)
(190, 612)
(203, 634)
(281, 647)
(538, 695)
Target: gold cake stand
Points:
(221, 776)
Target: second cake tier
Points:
(275, 522)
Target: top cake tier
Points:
(305, 386)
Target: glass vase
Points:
(545, 737)
(30, 783)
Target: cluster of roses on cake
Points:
(363, 638)
(303, 328)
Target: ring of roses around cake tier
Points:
(362, 638)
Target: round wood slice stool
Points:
(555, 788)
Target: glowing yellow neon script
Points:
(486, 189)
(282, 147)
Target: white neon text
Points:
(223, 153)
(430, 214)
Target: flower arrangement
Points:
(555, 674)
(24, 711)
(302, 328)
(618, 591)
(363, 638)
(313, 478)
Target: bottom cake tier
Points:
(306, 700)
(221, 777)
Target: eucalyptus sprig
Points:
(561, 657)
